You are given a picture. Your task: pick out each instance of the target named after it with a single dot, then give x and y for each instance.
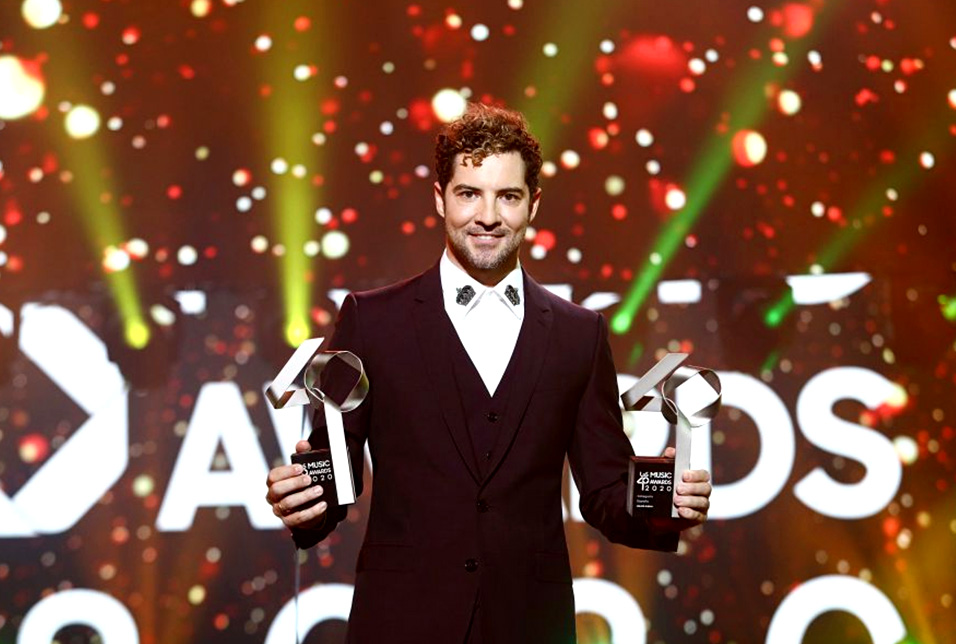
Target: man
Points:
(481, 384)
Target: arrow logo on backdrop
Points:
(96, 455)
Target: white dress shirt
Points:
(488, 325)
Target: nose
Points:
(488, 215)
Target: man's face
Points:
(486, 211)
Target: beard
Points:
(473, 254)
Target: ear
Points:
(439, 201)
(535, 202)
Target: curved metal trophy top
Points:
(311, 380)
(656, 390)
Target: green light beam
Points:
(747, 107)
(844, 240)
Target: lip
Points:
(485, 239)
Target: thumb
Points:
(669, 452)
(302, 446)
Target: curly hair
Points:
(485, 130)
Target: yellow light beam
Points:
(551, 84)
(84, 152)
(296, 68)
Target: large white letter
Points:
(219, 417)
(318, 603)
(777, 447)
(608, 600)
(291, 425)
(883, 470)
(97, 610)
(95, 456)
(835, 592)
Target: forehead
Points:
(506, 170)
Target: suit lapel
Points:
(533, 344)
(433, 331)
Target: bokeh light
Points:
(21, 87)
(448, 105)
(789, 102)
(570, 159)
(674, 198)
(115, 259)
(82, 122)
(41, 14)
(480, 32)
(907, 449)
(33, 448)
(749, 147)
(335, 244)
(614, 185)
(200, 8)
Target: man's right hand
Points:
(289, 490)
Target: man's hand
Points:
(692, 499)
(289, 490)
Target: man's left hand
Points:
(692, 499)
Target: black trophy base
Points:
(318, 465)
(650, 487)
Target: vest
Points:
(484, 413)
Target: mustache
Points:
(478, 230)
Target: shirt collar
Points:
(454, 278)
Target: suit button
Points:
(471, 565)
(482, 505)
(488, 456)
(492, 417)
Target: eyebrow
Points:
(465, 186)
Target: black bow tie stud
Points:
(465, 294)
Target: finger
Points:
(669, 452)
(696, 476)
(284, 487)
(694, 502)
(692, 515)
(694, 489)
(283, 472)
(291, 503)
(302, 447)
(307, 517)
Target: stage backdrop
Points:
(189, 187)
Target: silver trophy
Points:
(299, 383)
(652, 479)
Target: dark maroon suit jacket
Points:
(439, 535)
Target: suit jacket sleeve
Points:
(347, 337)
(599, 457)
